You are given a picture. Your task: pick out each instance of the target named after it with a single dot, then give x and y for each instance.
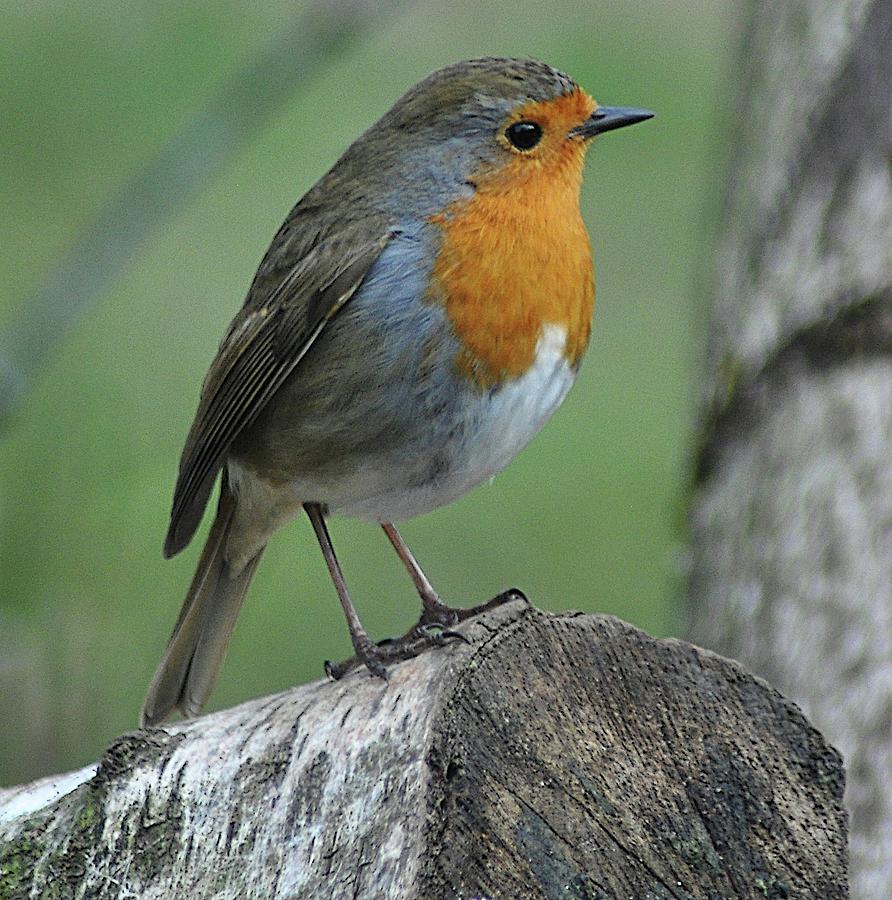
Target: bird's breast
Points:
(513, 260)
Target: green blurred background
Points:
(589, 516)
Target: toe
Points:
(376, 667)
(437, 633)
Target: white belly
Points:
(478, 437)
(496, 428)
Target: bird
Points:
(418, 317)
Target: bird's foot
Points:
(449, 616)
(376, 657)
(434, 629)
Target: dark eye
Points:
(524, 135)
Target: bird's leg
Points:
(434, 607)
(433, 627)
(373, 656)
(436, 612)
(363, 645)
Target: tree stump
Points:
(554, 756)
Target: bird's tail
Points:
(187, 671)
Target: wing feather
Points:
(263, 346)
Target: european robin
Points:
(418, 317)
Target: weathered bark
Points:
(792, 515)
(555, 756)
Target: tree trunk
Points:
(553, 756)
(792, 514)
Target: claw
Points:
(436, 631)
(336, 671)
(457, 635)
(508, 597)
(377, 668)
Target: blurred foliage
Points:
(144, 201)
(586, 516)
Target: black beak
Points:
(606, 118)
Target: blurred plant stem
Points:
(194, 153)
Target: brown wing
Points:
(264, 344)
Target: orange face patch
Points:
(516, 257)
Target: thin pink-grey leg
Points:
(362, 643)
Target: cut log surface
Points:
(555, 756)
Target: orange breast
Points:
(516, 256)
